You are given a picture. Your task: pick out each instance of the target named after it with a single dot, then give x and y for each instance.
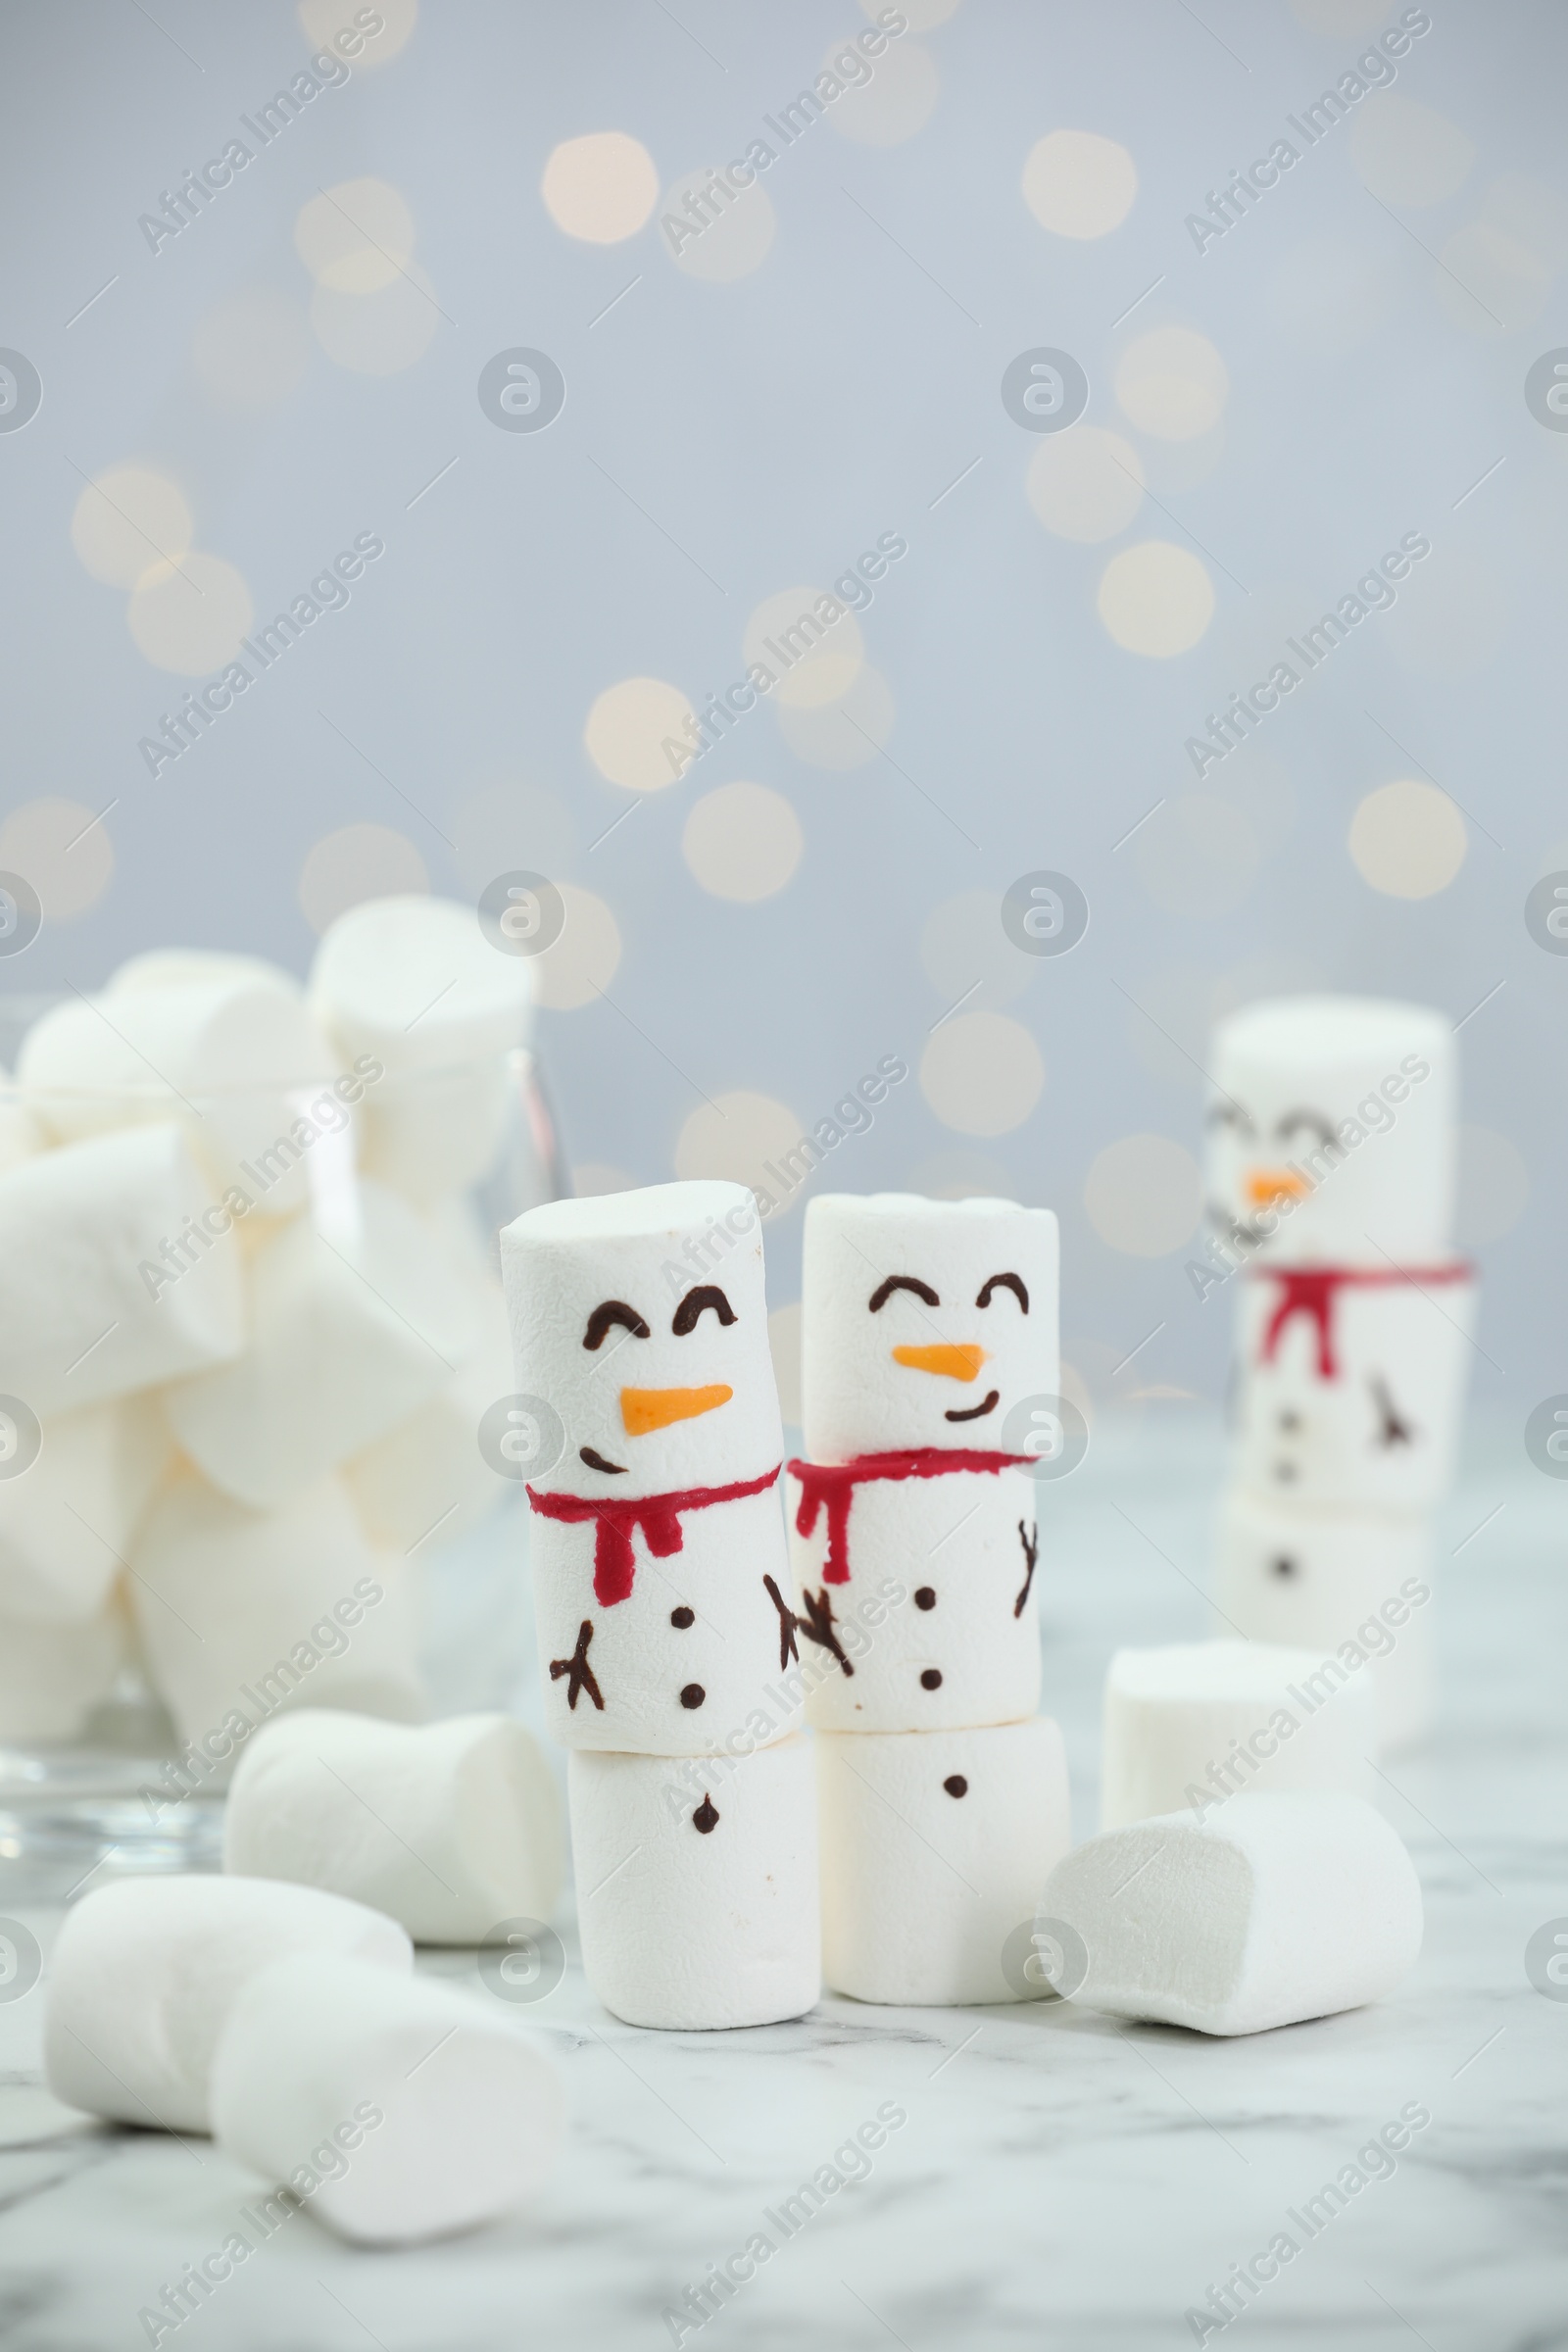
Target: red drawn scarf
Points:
(657, 1515)
(834, 1484)
(1312, 1290)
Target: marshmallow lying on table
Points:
(68, 1519)
(1275, 1909)
(1341, 1584)
(697, 1886)
(227, 1057)
(450, 1829)
(1335, 1116)
(144, 1972)
(53, 1675)
(415, 983)
(657, 1540)
(81, 1318)
(395, 2108)
(1194, 1723)
(350, 1333)
(935, 1846)
(242, 1612)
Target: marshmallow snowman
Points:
(640, 1323)
(1351, 1381)
(1332, 1131)
(926, 1324)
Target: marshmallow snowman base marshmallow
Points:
(961, 1644)
(1196, 1722)
(396, 2109)
(1350, 1586)
(935, 1846)
(1278, 1908)
(1351, 1382)
(450, 1828)
(144, 1974)
(697, 1886)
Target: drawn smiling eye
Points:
(901, 1282)
(696, 1304)
(1309, 1122)
(1228, 1112)
(1004, 1282)
(605, 1315)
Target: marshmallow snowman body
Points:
(656, 1541)
(1351, 1381)
(1339, 1584)
(79, 1317)
(1331, 1137)
(697, 1886)
(924, 1323)
(935, 1848)
(1278, 1908)
(956, 1554)
(1194, 1724)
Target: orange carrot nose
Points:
(643, 1409)
(952, 1363)
(1263, 1185)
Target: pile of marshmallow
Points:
(274, 2006)
(248, 1325)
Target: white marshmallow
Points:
(145, 1971)
(434, 1132)
(195, 967)
(350, 1334)
(415, 982)
(697, 1886)
(1355, 1400)
(396, 2109)
(663, 1593)
(1324, 1579)
(68, 1520)
(935, 1846)
(53, 1675)
(1345, 1105)
(426, 1477)
(235, 1059)
(451, 1827)
(1194, 1723)
(865, 1389)
(241, 1612)
(88, 1307)
(937, 1623)
(1279, 1908)
(20, 1135)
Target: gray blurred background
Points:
(300, 365)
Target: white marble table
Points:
(1057, 2179)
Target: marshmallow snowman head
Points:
(1331, 1132)
(925, 1322)
(640, 1319)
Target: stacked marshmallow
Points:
(668, 1646)
(286, 2022)
(929, 1330)
(1331, 1198)
(239, 1298)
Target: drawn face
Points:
(1330, 1132)
(640, 1319)
(925, 1321)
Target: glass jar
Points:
(252, 1358)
